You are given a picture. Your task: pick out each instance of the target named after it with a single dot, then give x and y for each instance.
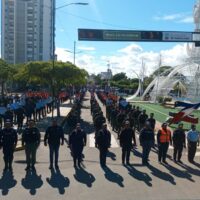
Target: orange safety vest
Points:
(165, 136)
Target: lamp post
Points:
(54, 8)
(74, 52)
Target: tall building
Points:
(26, 30)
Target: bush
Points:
(160, 99)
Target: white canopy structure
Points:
(186, 75)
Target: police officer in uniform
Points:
(152, 121)
(8, 140)
(103, 143)
(54, 136)
(77, 141)
(125, 138)
(147, 141)
(164, 139)
(193, 141)
(31, 140)
(178, 142)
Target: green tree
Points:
(119, 76)
(6, 74)
(165, 70)
(42, 73)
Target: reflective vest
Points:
(165, 136)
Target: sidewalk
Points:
(45, 122)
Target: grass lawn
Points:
(161, 113)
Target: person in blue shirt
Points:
(193, 140)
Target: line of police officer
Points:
(54, 136)
(31, 138)
(120, 116)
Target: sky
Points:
(94, 56)
(163, 15)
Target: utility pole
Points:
(74, 52)
(53, 52)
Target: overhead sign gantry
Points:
(136, 35)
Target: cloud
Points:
(61, 30)
(128, 59)
(133, 48)
(86, 48)
(186, 20)
(177, 17)
(63, 55)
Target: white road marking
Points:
(91, 140)
(114, 143)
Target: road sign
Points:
(136, 35)
(109, 35)
(177, 36)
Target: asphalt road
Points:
(117, 182)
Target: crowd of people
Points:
(127, 120)
(31, 137)
(19, 109)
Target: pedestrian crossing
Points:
(91, 141)
(114, 141)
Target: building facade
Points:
(26, 30)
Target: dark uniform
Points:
(20, 113)
(8, 140)
(142, 119)
(126, 137)
(178, 143)
(98, 122)
(8, 116)
(114, 113)
(31, 140)
(120, 119)
(136, 113)
(54, 135)
(103, 143)
(77, 140)
(152, 121)
(147, 141)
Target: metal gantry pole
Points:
(53, 52)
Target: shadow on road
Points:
(84, 177)
(57, 180)
(137, 153)
(7, 182)
(141, 176)
(191, 170)
(162, 175)
(113, 177)
(111, 155)
(32, 182)
(178, 173)
(87, 126)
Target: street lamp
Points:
(53, 35)
(74, 52)
(54, 21)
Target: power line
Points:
(96, 21)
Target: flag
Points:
(185, 113)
